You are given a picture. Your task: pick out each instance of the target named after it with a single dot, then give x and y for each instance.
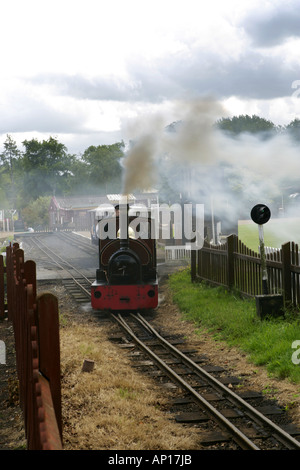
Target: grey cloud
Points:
(253, 76)
(82, 140)
(24, 113)
(146, 83)
(268, 29)
(96, 88)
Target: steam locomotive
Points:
(126, 279)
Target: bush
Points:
(37, 212)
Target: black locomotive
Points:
(127, 277)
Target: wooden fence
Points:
(36, 331)
(234, 265)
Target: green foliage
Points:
(252, 124)
(257, 125)
(47, 168)
(233, 319)
(10, 153)
(9, 173)
(103, 163)
(37, 212)
(293, 129)
(4, 185)
(274, 234)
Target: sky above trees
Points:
(87, 71)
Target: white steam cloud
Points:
(203, 162)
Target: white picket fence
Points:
(177, 252)
(270, 249)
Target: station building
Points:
(75, 213)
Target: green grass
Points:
(4, 242)
(231, 318)
(276, 233)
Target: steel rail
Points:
(241, 439)
(281, 435)
(62, 267)
(81, 242)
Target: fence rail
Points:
(36, 331)
(177, 252)
(233, 264)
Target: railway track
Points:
(78, 241)
(77, 284)
(223, 415)
(209, 398)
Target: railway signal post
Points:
(260, 214)
(266, 304)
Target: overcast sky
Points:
(78, 70)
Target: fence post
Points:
(49, 348)
(286, 272)
(2, 297)
(193, 264)
(9, 282)
(230, 260)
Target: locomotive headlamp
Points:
(151, 293)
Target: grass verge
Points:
(231, 318)
(276, 233)
(114, 406)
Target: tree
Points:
(104, 164)
(293, 129)
(251, 124)
(47, 168)
(4, 186)
(37, 212)
(9, 158)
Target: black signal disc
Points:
(260, 214)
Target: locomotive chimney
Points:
(124, 222)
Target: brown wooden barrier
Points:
(2, 288)
(233, 264)
(36, 329)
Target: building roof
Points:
(91, 202)
(79, 202)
